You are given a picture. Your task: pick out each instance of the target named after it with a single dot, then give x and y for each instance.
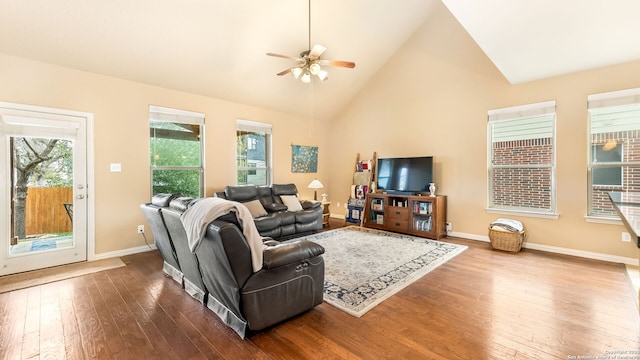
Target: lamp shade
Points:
(315, 184)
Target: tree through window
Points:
(37, 163)
(176, 151)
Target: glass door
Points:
(43, 204)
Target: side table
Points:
(326, 213)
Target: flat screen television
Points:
(405, 175)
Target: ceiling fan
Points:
(309, 63)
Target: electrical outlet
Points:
(626, 237)
(140, 229)
(338, 205)
(449, 227)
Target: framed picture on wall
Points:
(304, 159)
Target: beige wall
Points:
(432, 98)
(120, 111)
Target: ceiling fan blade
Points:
(346, 64)
(284, 72)
(317, 51)
(285, 57)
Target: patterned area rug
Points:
(363, 267)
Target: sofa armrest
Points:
(290, 252)
(310, 204)
(270, 242)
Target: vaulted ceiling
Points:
(531, 40)
(217, 47)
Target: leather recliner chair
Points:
(290, 282)
(220, 272)
(155, 219)
(192, 281)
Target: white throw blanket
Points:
(197, 217)
(507, 225)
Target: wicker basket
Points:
(507, 241)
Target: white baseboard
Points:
(557, 250)
(469, 236)
(123, 252)
(483, 238)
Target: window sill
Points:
(603, 220)
(543, 215)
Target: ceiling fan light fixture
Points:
(323, 75)
(306, 78)
(314, 68)
(296, 72)
(309, 62)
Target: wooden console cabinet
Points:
(423, 216)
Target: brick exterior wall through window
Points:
(630, 141)
(526, 186)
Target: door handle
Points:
(81, 196)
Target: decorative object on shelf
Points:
(324, 198)
(304, 159)
(363, 179)
(315, 185)
(432, 189)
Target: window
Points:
(521, 153)
(176, 151)
(614, 147)
(253, 154)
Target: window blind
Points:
(253, 126)
(158, 113)
(523, 111)
(614, 98)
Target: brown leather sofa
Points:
(219, 272)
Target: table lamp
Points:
(315, 185)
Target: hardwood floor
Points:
(482, 304)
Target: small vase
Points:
(432, 189)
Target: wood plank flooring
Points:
(482, 304)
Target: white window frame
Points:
(262, 128)
(158, 113)
(514, 113)
(598, 104)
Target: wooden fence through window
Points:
(45, 211)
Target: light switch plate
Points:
(115, 167)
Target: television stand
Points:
(423, 216)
